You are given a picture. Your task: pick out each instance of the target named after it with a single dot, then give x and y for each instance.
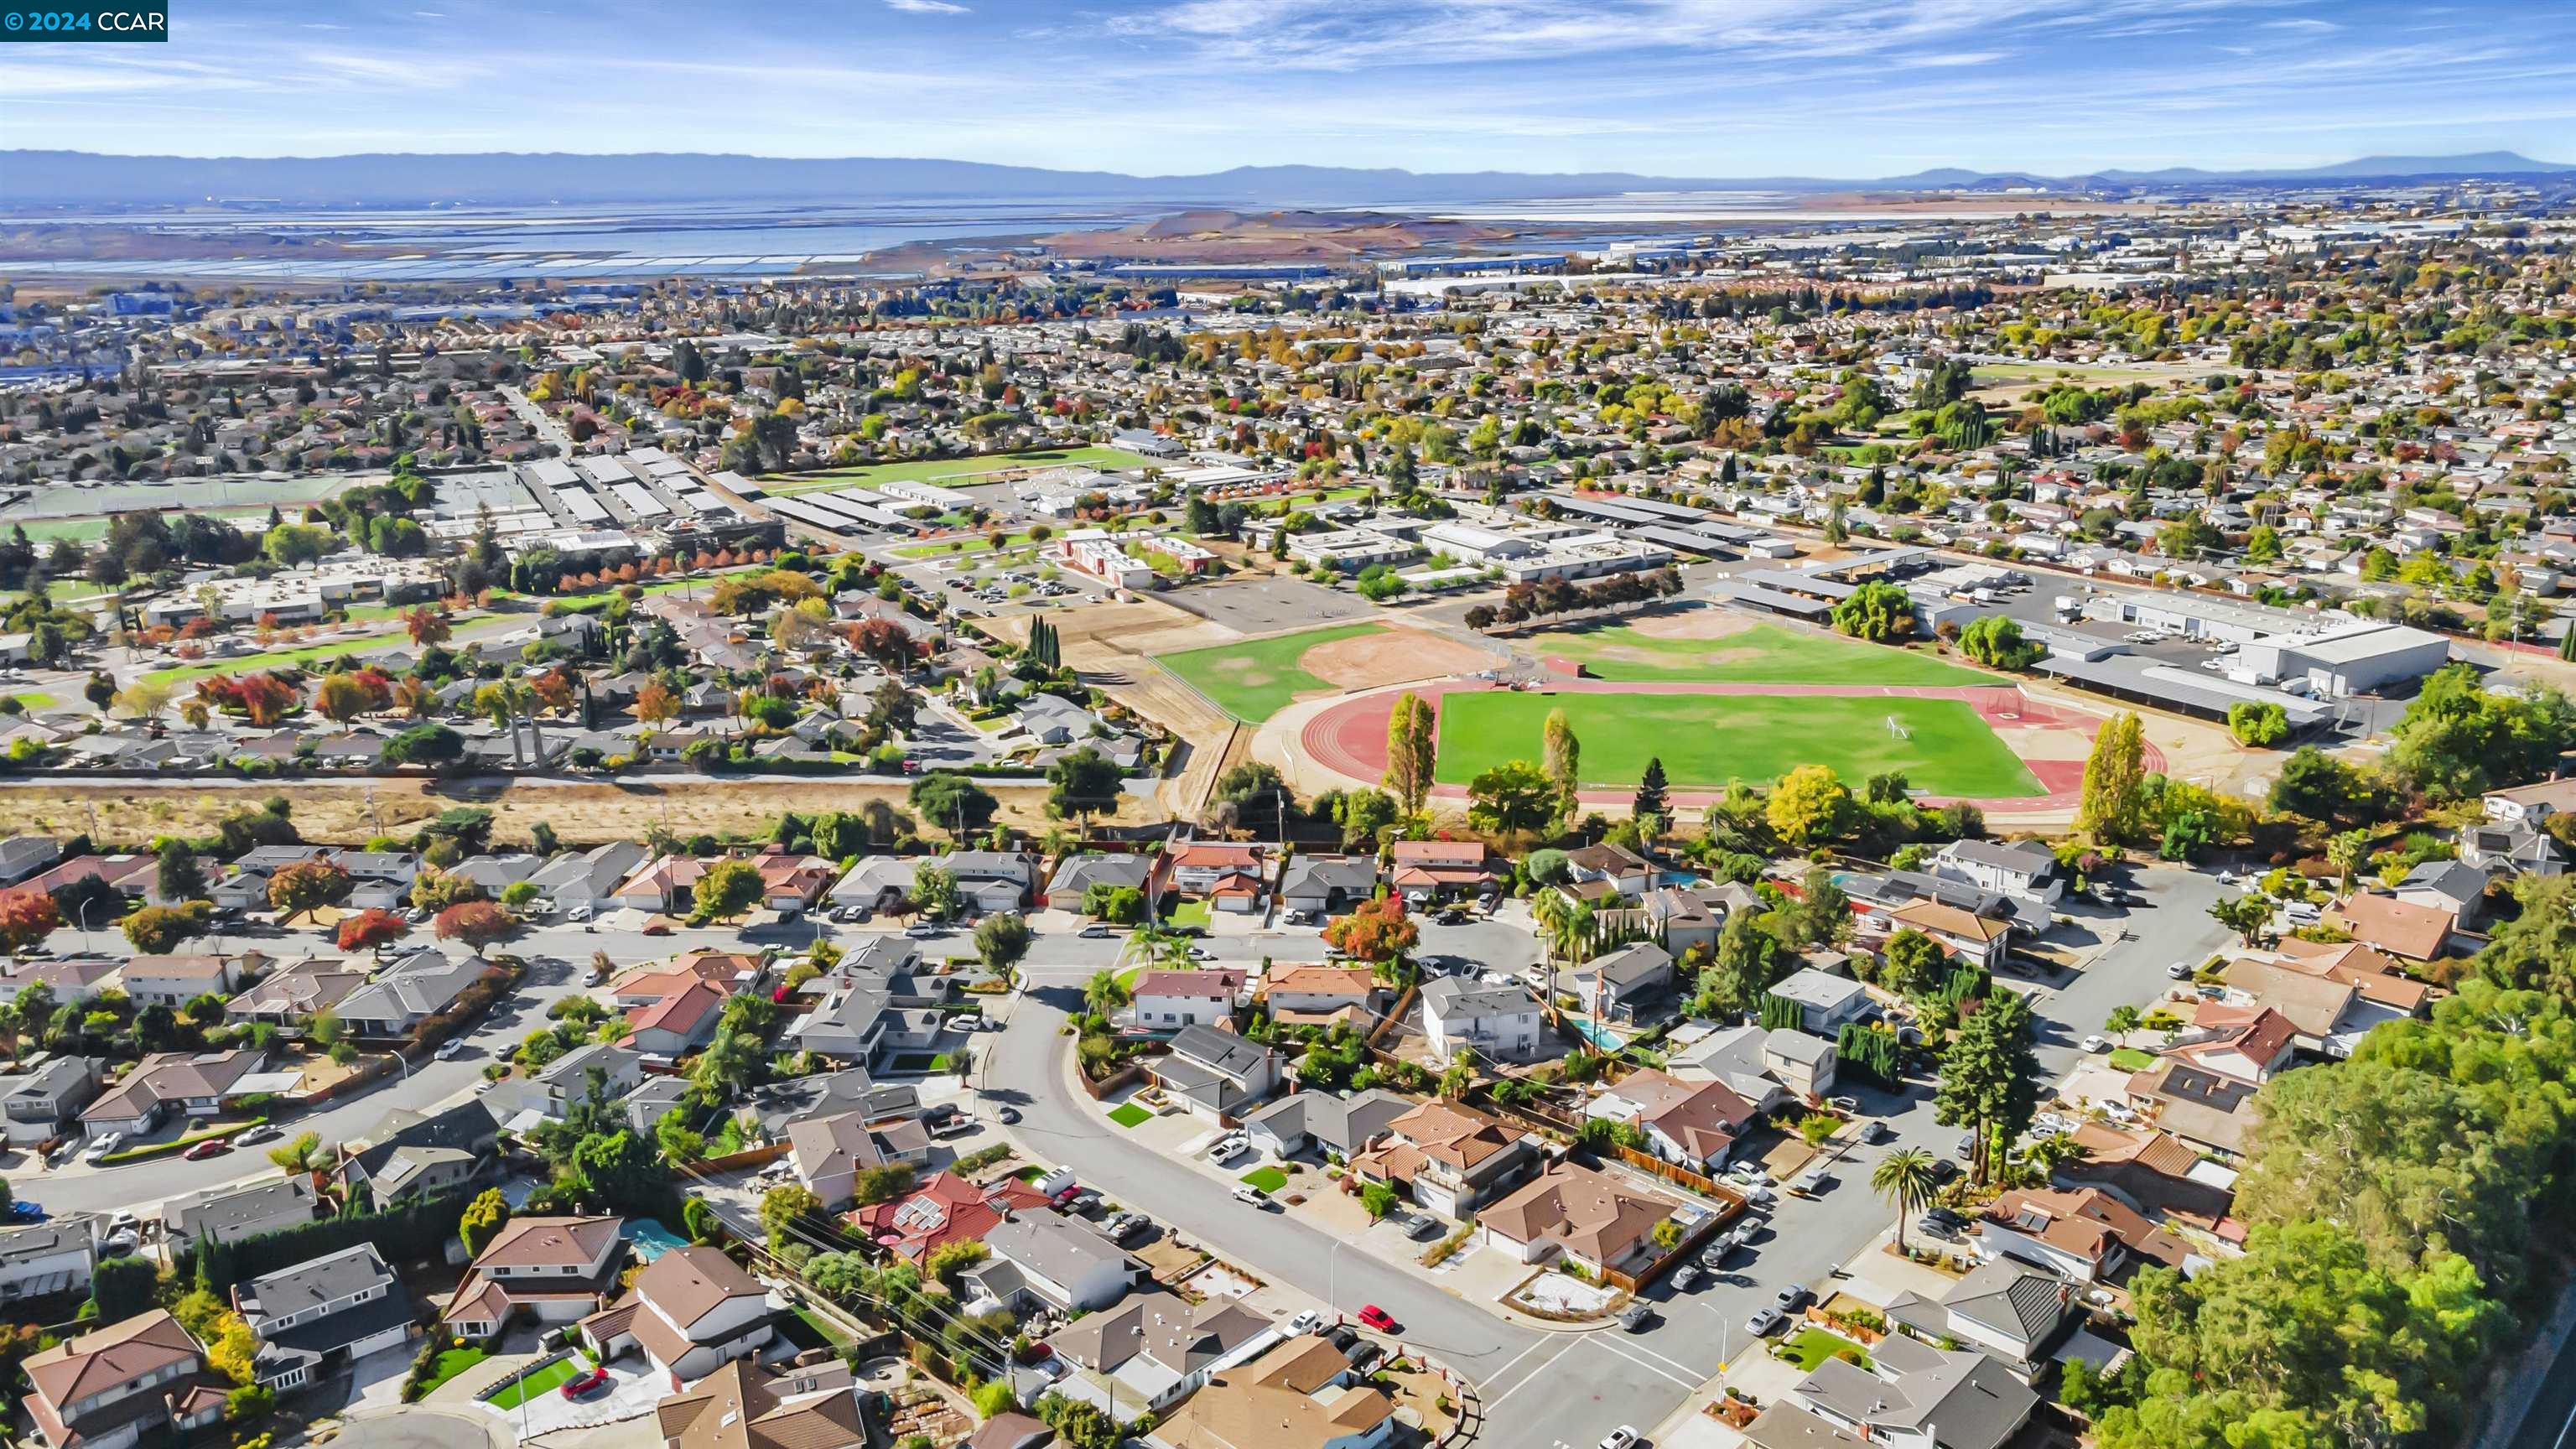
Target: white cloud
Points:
(925, 7)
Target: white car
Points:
(451, 1049)
(2228, 877)
(2097, 1043)
(1620, 1438)
(1745, 1172)
(1305, 1323)
(104, 1146)
(1226, 1149)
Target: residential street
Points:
(1552, 1387)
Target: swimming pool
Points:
(1600, 1036)
(651, 1239)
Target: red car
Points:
(213, 1147)
(580, 1384)
(1376, 1317)
(1064, 1199)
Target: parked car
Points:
(2097, 1043)
(261, 1133)
(1848, 1106)
(450, 1049)
(1622, 1437)
(1251, 1196)
(1305, 1323)
(1095, 931)
(1794, 1297)
(211, 1147)
(1377, 1318)
(1764, 1322)
(1744, 1172)
(1685, 1278)
(1874, 1130)
(584, 1383)
(1421, 1225)
(23, 1211)
(1636, 1315)
(1227, 1148)
(2179, 971)
(1006, 1115)
(1064, 1196)
(1811, 1183)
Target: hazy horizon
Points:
(1684, 88)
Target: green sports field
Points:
(1763, 654)
(1254, 680)
(1707, 740)
(954, 472)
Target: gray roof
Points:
(1222, 1052)
(1339, 1122)
(1078, 873)
(2025, 855)
(1629, 965)
(1811, 987)
(1318, 874)
(1452, 997)
(2447, 878)
(225, 1212)
(314, 1282)
(1799, 1046)
(422, 984)
(1054, 1247)
(2010, 1297)
(1967, 1399)
(43, 1240)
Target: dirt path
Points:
(581, 814)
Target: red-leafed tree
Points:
(476, 923)
(371, 928)
(26, 918)
(1378, 932)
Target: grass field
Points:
(1707, 740)
(281, 658)
(1763, 654)
(953, 471)
(37, 699)
(1258, 678)
(543, 1381)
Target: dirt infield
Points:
(1393, 657)
(1701, 623)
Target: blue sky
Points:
(1676, 87)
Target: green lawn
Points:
(544, 1380)
(1191, 913)
(1810, 1347)
(1130, 1115)
(451, 1363)
(1763, 654)
(1258, 678)
(1267, 1179)
(976, 544)
(37, 699)
(1707, 740)
(833, 1333)
(2130, 1059)
(950, 471)
(280, 658)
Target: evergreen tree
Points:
(2113, 804)
(1653, 792)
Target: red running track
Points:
(1350, 738)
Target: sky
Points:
(1692, 88)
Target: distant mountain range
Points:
(38, 180)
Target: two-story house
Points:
(176, 980)
(230, 1214)
(1427, 871)
(112, 1388)
(1690, 1124)
(1170, 1000)
(322, 1313)
(1621, 983)
(45, 1258)
(1217, 1073)
(1054, 1260)
(1916, 1396)
(1448, 1159)
(2018, 867)
(410, 1155)
(689, 1311)
(551, 1270)
(43, 1099)
(1497, 1023)
(1826, 1003)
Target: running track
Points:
(1350, 737)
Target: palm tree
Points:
(1104, 992)
(1905, 1178)
(2346, 852)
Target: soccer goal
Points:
(1896, 729)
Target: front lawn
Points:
(1130, 1115)
(1810, 1347)
(1267, 1179)
(552, 1376)
(1191, 913)
(451, 1363)
(2130, 1059)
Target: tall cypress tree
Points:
(1653, 793)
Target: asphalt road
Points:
(2550, 1422)
(1550, 1389)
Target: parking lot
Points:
(1268, 606)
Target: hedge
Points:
(414, 1230)
(179, 1144)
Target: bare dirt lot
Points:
(1395, 656)
(581, 814)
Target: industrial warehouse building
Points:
(2356, 659)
